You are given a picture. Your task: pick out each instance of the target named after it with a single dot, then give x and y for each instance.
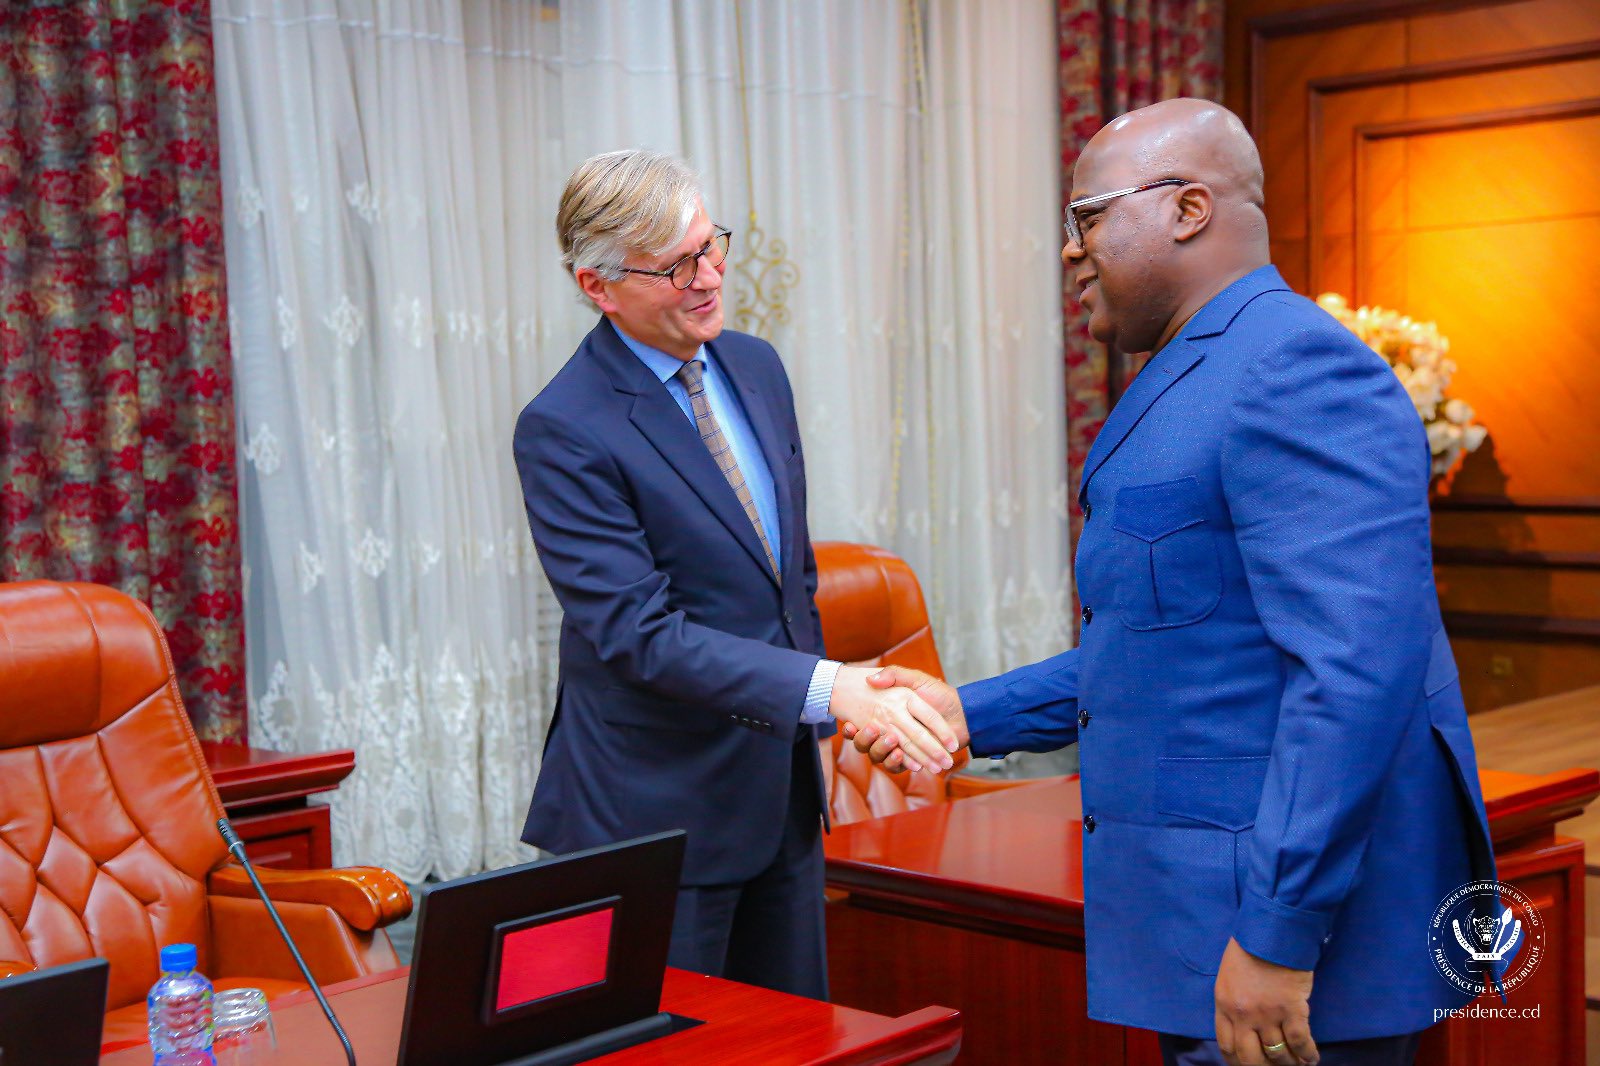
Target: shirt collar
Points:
(662, 365)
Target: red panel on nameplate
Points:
(553, 958)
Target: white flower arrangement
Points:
(1420, 358)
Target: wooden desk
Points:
(980, 904)
(264, 793)
(1543, 735)
(745, 1026)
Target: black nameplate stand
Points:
(604, 1043)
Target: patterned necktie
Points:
(693, 374)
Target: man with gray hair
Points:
(665, 488)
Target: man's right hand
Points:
(901, 717)
(883, 748)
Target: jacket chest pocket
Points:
(1173, 576)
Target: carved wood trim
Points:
(1539, 628)
(1550, 505)
(1351, 13)
(1477, 120)
(1261, 28)
(1405, 74)
(1456, 68)
(1450, 555)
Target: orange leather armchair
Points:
(872, 614)
(108, 839)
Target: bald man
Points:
(1278, 782)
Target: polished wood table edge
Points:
(927, 1032)
(1522, 808)
(1557, 853)
(982, 908)
(277, 819)
(1036, 928)
(1514, 802)
(1541, 801)
(255, 774)
(887, 1040)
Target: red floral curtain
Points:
(1117, 55)
(116, 409)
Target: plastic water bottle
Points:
(180, 1010)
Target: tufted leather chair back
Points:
(873, 613)
(106, 810)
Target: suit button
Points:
(1087, 510)
(1083, 719)
(788, 618)
(1088, 823)
(1088, 614)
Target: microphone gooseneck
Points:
(236, 849)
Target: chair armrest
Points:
(366, 897)
(964, 786)
(11, 969)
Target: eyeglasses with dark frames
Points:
(1074, 228)
(683, 272)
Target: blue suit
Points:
(1270, 729)
(683, 661)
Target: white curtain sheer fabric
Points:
(388, 291)
(391, 173)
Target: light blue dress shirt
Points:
(736, 428)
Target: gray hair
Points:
(621, 202)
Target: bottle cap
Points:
(178, 958)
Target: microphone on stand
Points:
(236, 848)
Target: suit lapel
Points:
(1173, 362)
(1159, 375)
(657, 415)
(773, 447)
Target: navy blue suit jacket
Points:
(683, 663)
(1272, 738)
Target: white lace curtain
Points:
(391, 172)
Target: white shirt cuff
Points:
(819, 693)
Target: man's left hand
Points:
(1263, 1012)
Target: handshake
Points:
(903, 719)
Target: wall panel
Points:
(1440, 157)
